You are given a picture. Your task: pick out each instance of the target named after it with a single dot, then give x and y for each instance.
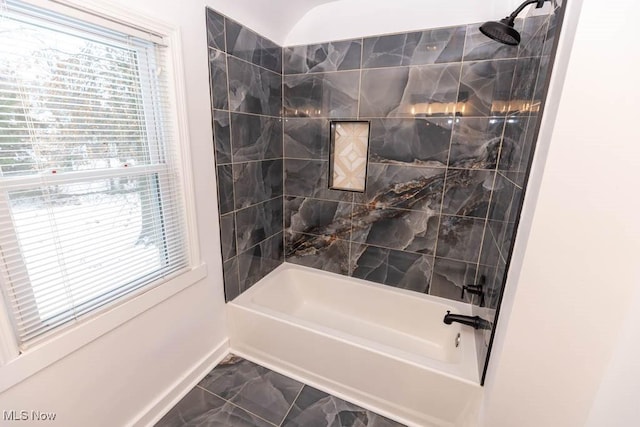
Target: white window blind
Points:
(91, 206)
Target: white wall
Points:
(111, 380)
(571, 284)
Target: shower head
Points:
(503, 30)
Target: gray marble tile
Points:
(321, 252)
(203, 409)
(310, 178)
(409, 91)
(248, 45)
(225, 189)
(400, 269)
(218, 80)
(475, 142)
(255, 137)
(450, 276)
(533, 36)
(423, 142)
(215, 30)
(320, 58)
(515, 142)
(228, 236)
(542, 83)
(306, 138)
(231, 279)
(479, 47)
(256, 263)
(318, 217)
(255, 182)
(485, 87)
(253, 89)
(525, 78)
(435, 46)
(222, 137)
(314, 408)
(460, 238)
(551, 33)
(257, 389)
(258, 222)
(403, 187)
(411, 231)
(467, 192)
(322, 95)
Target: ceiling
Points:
(291, 22)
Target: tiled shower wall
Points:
(246, 98)
(453, 119)
(439, 103)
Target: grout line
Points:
(235, 405)
(292, 404)
(270, 159)
(255, 204)
(501, 173)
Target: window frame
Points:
(16, 366)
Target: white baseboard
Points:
(174, 393)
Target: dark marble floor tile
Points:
(218, 79)
(306, 138)
(231, 279)
(253, 387)
(479, 47)
(255, 182)
(467, 192)
(228, 236)
(411, 231)
(450, 276)
(400, 269)
(322, 95)
(248, 45)
(320, 58)
(201, 408)
(422, 142)
(310, 178)
(485, 87)
(253, 89)
(318, 217)
(460, 238)
(225, 189)
(222, 137)
(409, 91)
(403, 187)
(475, 142)
(255, 137)
(256, 263)
(321, 252)
(314, 408)
(435, 46)
(215, 30)
(258, 222)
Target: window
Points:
(91, 205)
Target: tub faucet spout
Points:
(476, 322)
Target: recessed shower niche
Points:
(452, 119)
(349, 148)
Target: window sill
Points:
(73, 338)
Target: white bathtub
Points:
(386, 349)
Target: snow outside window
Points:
(90, 200)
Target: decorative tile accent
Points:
(320, 58)
(349, 155)
(314, 408)
(257, 389)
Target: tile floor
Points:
(239, 393)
